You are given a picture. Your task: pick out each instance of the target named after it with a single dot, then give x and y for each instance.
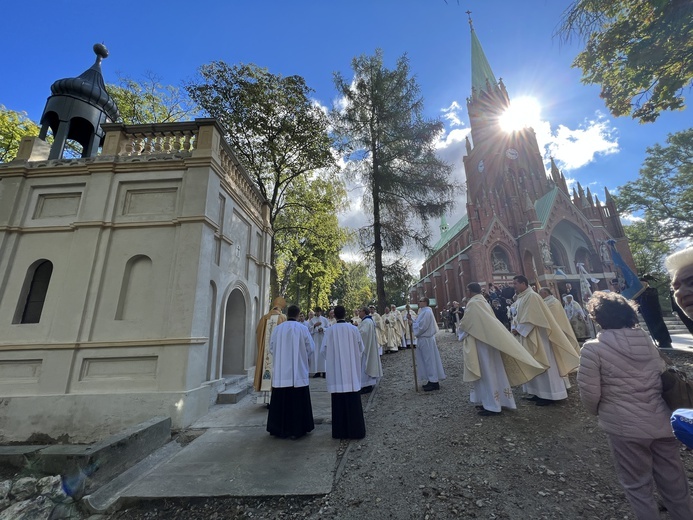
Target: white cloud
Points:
(452, 113)
(575, 148)
(629, 218)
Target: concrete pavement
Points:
(235, 456)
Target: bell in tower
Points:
(78, 108)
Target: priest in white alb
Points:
(543, 338)
(372, 368)
(317, 326)
(343, 350)
(494, 361)
(429, 365)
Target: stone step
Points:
(107, 498)
(237, 387)
(105, 459)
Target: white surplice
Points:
(292, 348)
(429, 364)
(317, 363)
(343, 350)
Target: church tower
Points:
(505, 171)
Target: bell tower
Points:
(505, 170)
(77, 108)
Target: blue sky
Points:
(44, 41)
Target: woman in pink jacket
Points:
(620, 381)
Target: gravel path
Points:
(428, 455)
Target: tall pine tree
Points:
(390, 147)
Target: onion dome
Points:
(89, 86)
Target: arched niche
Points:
(135, 290)
(34, 292)
(500, 260)
(233, 354)
(566, 240)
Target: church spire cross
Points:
(469, 15)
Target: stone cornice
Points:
(104, 344)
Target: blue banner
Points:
(628, 280)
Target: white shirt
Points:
(291, 347)
(343, 348)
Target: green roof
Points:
(446, 236)
(543, 206)
(481, 70)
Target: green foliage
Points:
(664, 189)
(277, 131)
(648, 254)
(353, 286)
(13, 127)
(307, 255)
(148, 101)
(389, 148)
(639, 51)
(398, 278)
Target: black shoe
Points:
(366, 389)
(323, 375)
(544, 402)
(317, 374)
(533, 398)
(479, 407)
(487, 413)
(431, 386)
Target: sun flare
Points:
(523, 112)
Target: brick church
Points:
(520, 220)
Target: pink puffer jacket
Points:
(620, 380)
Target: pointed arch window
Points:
(34, 292)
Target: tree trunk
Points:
(377, 241)
(274, 279)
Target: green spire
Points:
(443, 225)
(481, 70)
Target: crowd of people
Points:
(511, 336)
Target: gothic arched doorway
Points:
(234, 335)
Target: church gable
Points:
(562, 208)
(498, 232)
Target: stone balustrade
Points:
(161, 139)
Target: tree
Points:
(13, 127)
(148, 101)
(664, 189)
(352, 288)
(639, 51)
(398, 278)
(307, 256)
(389, 147)
(278, 133)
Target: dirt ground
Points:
(428, 455)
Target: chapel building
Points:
(131, 277)
(519, 220)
